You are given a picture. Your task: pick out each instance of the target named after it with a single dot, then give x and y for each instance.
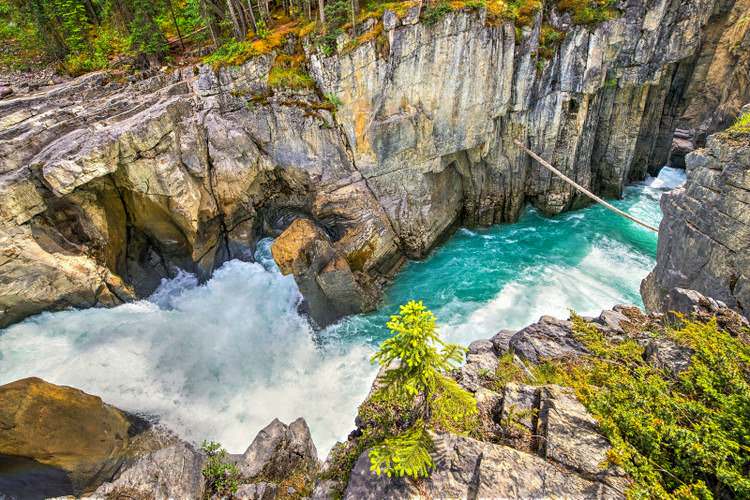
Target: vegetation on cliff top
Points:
(86, 35)
(677, 435)
(222, 477)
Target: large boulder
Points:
(549, 338)
(64, 428)
(280, 451)
(324, 277)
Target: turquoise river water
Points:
(220, 360)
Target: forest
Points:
(78, 36)
(86, 35)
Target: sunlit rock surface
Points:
(107, 187)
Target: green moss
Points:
(289, 75)
(741, 126)
(589, 11)
(549, 40)
(433, 13)
(522, 12)
(381, 416)
(234, 53)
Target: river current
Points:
(218, 361)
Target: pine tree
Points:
(418, 364)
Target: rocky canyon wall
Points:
(704, 238)
(109, 184)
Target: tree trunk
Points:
(322, 13)
(209, 17)
(252, 16)
(176, 26)
(239, 33)
(92, 12)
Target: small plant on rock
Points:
(333, 100)
(222, 477)
(419, 364)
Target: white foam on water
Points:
(668, 178)
(595, 284)
(217, 361)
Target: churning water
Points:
(218, 361)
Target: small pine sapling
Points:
(418, 363)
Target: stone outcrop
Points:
(704, 237)
(170, 472)
(64, 428)
(109, 186)
(537, 440)
(468, 468)
(57, 440)
(719, 79)
(280, 451)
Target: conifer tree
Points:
(418, 364)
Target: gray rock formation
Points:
(107, 187)
(704, 237)
(280, 451)
(171, 472)
(537, 441)
(467, 468)
(550, 338)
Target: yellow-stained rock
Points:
(289, 249)
(62, 427)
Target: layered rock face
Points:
(109, 186)
(704, 237)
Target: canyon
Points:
(110, 185)
(113, 187)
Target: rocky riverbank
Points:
(109, 184)
(535, 438)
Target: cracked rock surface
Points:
(704, 237)
(106, 187)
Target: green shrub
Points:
(741, 125)
(522, 12)
(262, 32)
(589, 11)
(333, 99)
(476, 4)
(419, 363)
(222, 477)
(683, 435)
(431, 14)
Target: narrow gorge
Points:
(210, 250)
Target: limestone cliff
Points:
(704, 237)
(110, 185)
